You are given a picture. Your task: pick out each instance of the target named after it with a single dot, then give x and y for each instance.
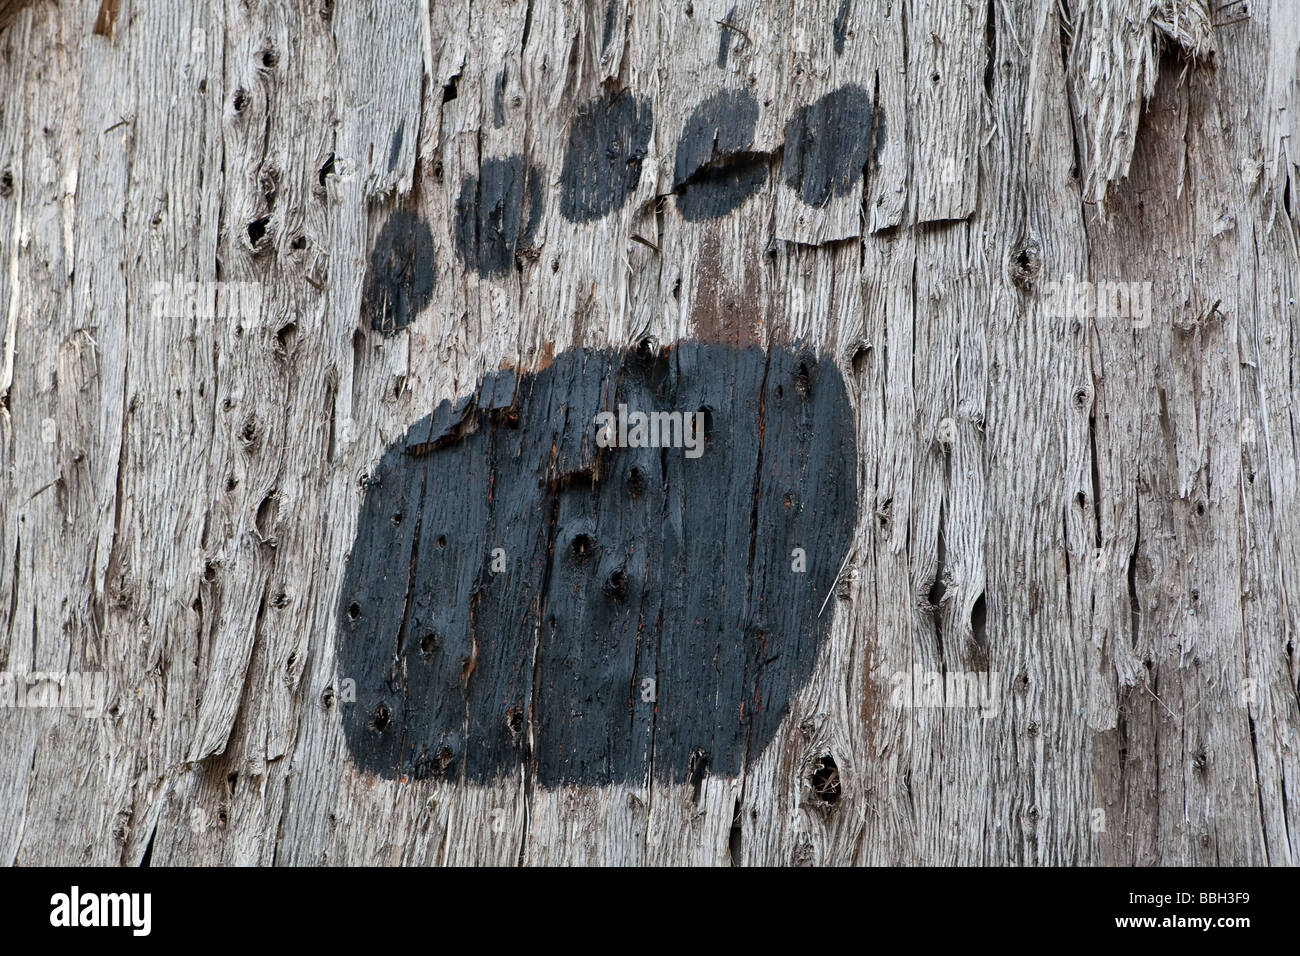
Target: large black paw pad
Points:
(541, 575)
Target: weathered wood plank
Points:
(1050, 250)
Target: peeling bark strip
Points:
(646, 611)
(1114, 58)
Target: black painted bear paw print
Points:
(611, 568)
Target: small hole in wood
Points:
(636, 482)
(859, 360)
(515, 720)
(615, 586)
(257, 230)
(803, 381)
(580, 547)
(825, 781)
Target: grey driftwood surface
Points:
(1101, 514)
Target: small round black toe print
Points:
(497, 213)
(721, 126)
(602, 162)
(615, 568)
(399, 278)
(715, 170)
(827, 145)
(715, 192)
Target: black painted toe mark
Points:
(497, 213)
(607, 34)
(840, 28)
(648, 612)
(395, 150)
(602, 163)
(399, 280)
(721, 126)
(718, 191)
(498, 100)
(724, 39)
(714, 171)
(827, 145)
